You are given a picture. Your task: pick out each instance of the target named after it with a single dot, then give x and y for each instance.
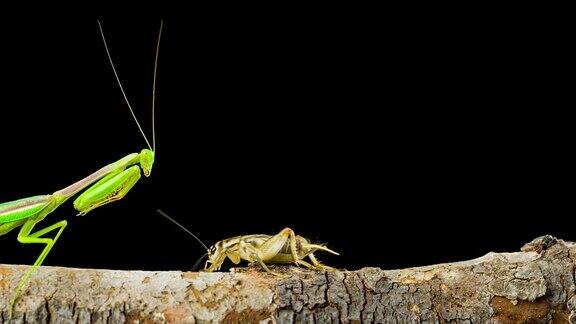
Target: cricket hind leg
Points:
(26, 237)
(276, 243)
(249, 252)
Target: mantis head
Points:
(146, 155)
(146, 161)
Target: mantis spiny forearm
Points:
(106, 185)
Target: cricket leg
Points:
(276, 243)
(251, 253)
(318, 265)
(307, 265)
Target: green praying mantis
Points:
(104, 186)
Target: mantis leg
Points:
(26, 237)
(112, 187)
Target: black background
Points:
(399, 142)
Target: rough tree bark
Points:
(532, 286)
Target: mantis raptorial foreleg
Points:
(111, 188)
(108, 184)
(104, 186)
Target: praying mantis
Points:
(110, 183)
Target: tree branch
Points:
(535, 285)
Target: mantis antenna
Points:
(154, 88)
(120, 84)
(182, 227)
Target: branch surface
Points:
(536, 285)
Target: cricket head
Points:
(216, 256)
(146, 161)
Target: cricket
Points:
(283, 248)
(110, 183)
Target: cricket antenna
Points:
(197, 263)
(120, 84)
(154, 88)
(182, 227)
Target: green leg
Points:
(35, 238)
